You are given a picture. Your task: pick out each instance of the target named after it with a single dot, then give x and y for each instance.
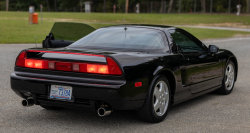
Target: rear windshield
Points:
(121, 37)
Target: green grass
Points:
(14, 27)
(170, 19)
(213, 33)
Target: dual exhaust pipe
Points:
(102, 111)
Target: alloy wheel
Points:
(160, 98)
(229, 76)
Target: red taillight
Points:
(92, 68)
(21, 59)
(102, 69)
(39, 64)
(111, 68)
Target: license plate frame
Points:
(60, 92)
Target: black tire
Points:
(223, 90)
(147, 112)
(50, 107)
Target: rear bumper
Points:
(84, 95)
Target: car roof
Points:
(147, 26)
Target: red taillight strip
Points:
(111, 68)
(59, 52)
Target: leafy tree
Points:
(55, 2)
(68, 5)
(220, 6)
(203, 6)
(2, 5)
(170, 6)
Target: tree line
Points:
(146, 6)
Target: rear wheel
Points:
(228, 80)
(156, 105)
(51, 107)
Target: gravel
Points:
(207, 113)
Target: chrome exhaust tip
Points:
(102, 111)
(27, 102)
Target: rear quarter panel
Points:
(144, 67)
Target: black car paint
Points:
(142, 66)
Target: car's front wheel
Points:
(156, 105)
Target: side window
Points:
(185, 41)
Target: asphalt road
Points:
(208, 113)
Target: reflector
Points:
(138, 84)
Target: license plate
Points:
(61, 92)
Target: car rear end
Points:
(70, 79)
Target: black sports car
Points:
(146, 68)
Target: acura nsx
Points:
(146, 68)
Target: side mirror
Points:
(213, 49)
